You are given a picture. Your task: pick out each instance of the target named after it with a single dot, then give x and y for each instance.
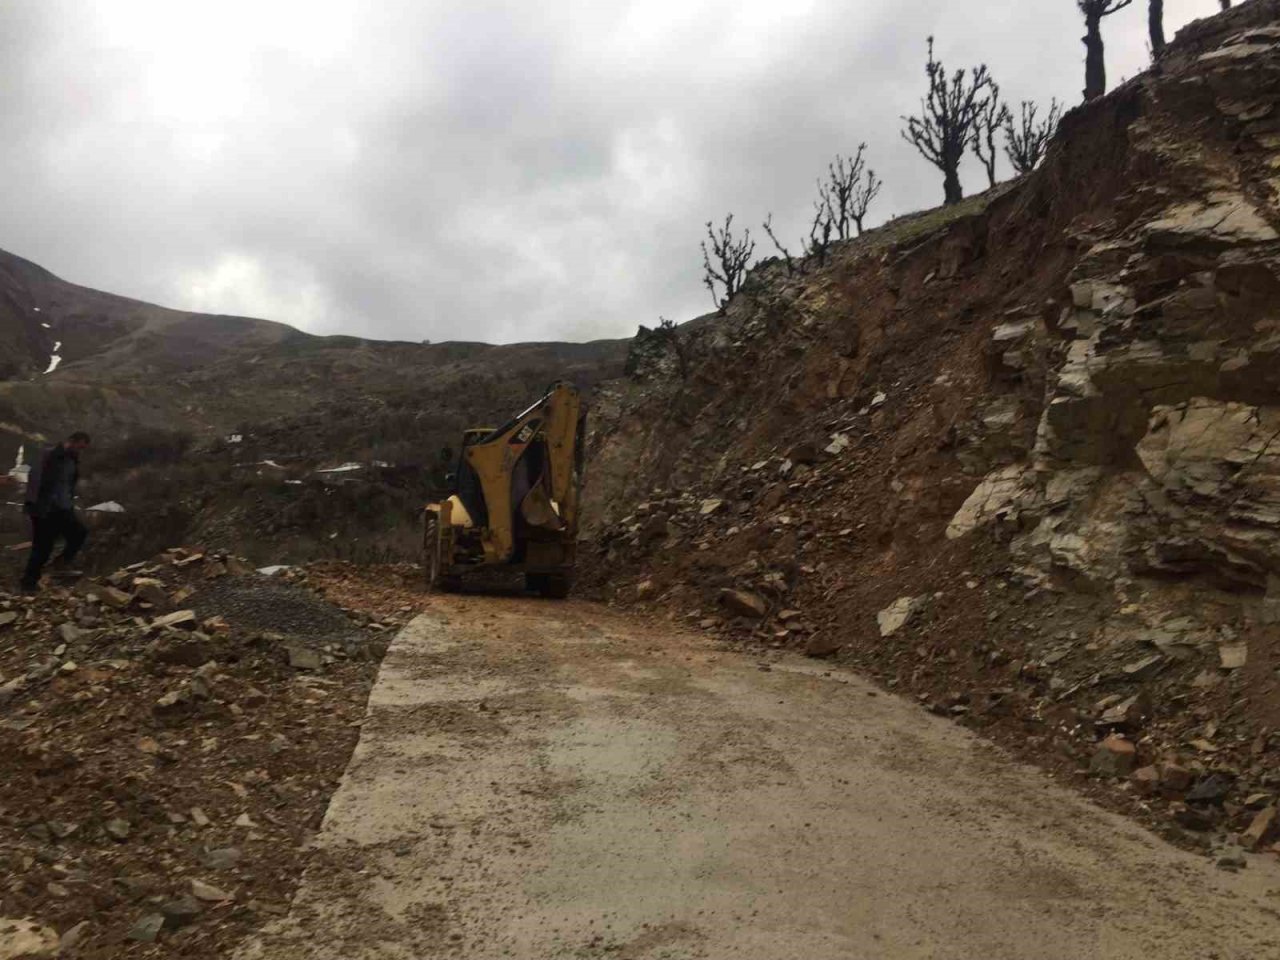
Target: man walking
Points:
(50, 503)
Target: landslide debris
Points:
(1018, 458)
(171, 735)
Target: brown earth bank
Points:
(1016, 458)
(171, 737)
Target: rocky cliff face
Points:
(1021, 456)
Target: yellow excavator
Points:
(514, 500)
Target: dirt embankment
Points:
(171, 737)
(1018, 458)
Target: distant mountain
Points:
(162, 389)
(124, 364)
(39, 311)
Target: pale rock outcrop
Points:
(899, 613)
(998, 493)
(1226, 217)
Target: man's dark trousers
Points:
(45, 532)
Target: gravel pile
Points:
(258, 604)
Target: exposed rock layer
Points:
(1054, 409)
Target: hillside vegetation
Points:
(212, 429)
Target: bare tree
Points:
(848, 191)
(820, 231)
(948, 115)
(731, 257)
(1095, 68)
(786, 254)
(1155, 26)
(864, 193)
(1025, 144)
(991, 120)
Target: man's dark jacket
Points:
(42, 482)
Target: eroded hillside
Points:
(1021, 457)
(218, 430)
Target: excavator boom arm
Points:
(553, 424)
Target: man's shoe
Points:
(65, 572)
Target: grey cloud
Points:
(470, 170)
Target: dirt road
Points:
(540, 780)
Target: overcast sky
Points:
(477, 169)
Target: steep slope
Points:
(1021, 457)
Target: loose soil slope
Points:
(172, 735)
(1040, 431)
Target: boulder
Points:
(209, 893)
(201, 683)
(1260, 829)
(996, 494)
(821, 645)
(744, 603)
(172, 704)
(899, 613)
(179, 619)
(180, 912)
(1127, 714)
(1174, 778)
(215, 624)
(1114, 757)
(72, 936)
(221, 858)
(1145, 780)
(839, 443)
(113, 597)
(239, 568)
(653, 530)
(1232, 656)
(179, 649)
(26, 938)
(1210, 789)
(804, 452)
(152, 591)
(304, 658)
(146, 928)
(69, 633)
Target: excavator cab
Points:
(515, 500)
